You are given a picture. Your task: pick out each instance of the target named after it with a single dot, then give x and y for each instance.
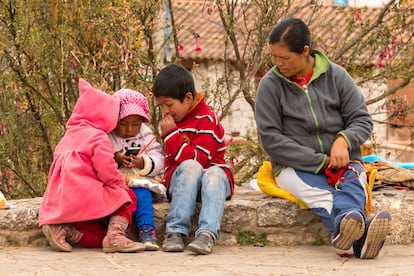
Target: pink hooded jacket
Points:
(84, 182)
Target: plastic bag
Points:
(3, 202)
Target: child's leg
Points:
(215, 188)
(144, 218)
(144, 213)
(93, 233)
(115, 239)
(183, 190)
(127, 210)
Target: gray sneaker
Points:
(351, 229)
(376, 230)
(173, 242)
(202, 244)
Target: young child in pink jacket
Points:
(86, 201)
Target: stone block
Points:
(282, 221)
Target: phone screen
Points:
(132, 151)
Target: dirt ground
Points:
(394, 260)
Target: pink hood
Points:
(84, 181)
(94, 108)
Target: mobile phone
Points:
(133, 150)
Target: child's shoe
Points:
(149, 238)
(116, 240)
(173, 242)
(56, 234)
(202, 244)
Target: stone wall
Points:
(282, 221)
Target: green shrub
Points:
(250, 238)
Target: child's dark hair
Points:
(293, 33)
(174, 81)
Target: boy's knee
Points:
(191, 167)
(215, 173)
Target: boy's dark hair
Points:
(174, 81)
(293, 33)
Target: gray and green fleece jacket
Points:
(297, 125)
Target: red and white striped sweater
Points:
(199, 136)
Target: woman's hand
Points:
(339, 156)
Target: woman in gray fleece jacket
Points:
(312, 119)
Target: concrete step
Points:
(248, 214)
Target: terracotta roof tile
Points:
(328, 25)
(197, 17)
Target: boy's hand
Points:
(167, 123)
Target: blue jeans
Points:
(330, 204)
(191, 183)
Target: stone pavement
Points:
(394, 260)
(290, 231)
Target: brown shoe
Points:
(73, 236)
(115, 239)
(173, 242)
(56, 235)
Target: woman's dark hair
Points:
(293, 33)
(174, 81)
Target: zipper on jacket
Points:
(305, 89)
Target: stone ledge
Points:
(282, 221)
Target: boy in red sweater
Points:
(195, 169)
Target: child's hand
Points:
(123, 160)
(137, 162)
(167, 123)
